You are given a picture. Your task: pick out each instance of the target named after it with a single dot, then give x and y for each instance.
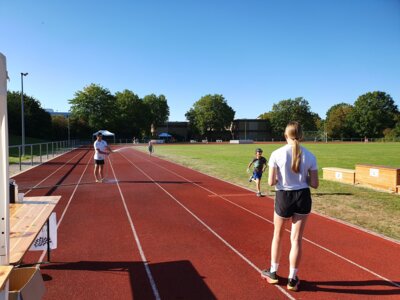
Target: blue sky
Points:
(255, 53)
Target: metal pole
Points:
(69, 136)
(22, 114)
(4, 176)
(245, 129)
(20, 157)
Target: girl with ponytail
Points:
(292, 170)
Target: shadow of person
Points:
(362, 287)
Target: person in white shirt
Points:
(292, 169)
(100, 147)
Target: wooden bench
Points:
(339, 174)
(382, 177)
(5, 272)
(26, 220)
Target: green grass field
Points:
(368, 208)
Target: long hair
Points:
(294, 132)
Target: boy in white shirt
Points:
(100, 147)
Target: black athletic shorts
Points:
(99, 161)
(288, 203)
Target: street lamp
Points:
(22, 113)
(69, 132)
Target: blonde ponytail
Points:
(296, 153)
(294, 132)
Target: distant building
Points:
(56, 113)
(251, 129)
(179, 130)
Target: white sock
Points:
(293, 273)
(274, 267)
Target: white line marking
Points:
(269, 221)
(66, 207)
(142, 255)
(209, 228)
(52, 173)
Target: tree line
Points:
(373, 115)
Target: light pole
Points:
(22, 113)
(69, 134)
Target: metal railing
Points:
(40, 151)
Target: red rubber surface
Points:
(200, 238)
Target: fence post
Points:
(31, 155)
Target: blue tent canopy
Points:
(164, 135)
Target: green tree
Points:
(338, 122)
(292, 110)
(59, 127)
(96, 106)
(79, 128)
(210, 114)
(159, 110)
(391, 134)
(14, 112)
(265, 116)
(373, 113)
(37, 120)
(132, 118)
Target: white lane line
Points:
(269, 221)
(139, 245)
(66, 207)
(209, 228)
(52, 173)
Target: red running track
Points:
(157, 230)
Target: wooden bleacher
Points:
(382, 177)
(339, 174)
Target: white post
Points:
(4, 180)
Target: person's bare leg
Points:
(258, 185)
(276, 245)
(296, 236)
(96, 167)
(101, 168)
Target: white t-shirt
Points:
(102, 145)
(286, 179)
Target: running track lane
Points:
(343, 265)
(171, 207)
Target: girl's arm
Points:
(272, 176)
(313, 179)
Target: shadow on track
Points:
(372, 287)
(174, 280)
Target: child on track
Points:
(100, 147)
(150, 148)
(260, 164)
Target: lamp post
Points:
(22, 113)
(69, 132)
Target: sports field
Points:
(364, 207)
(156, 230)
